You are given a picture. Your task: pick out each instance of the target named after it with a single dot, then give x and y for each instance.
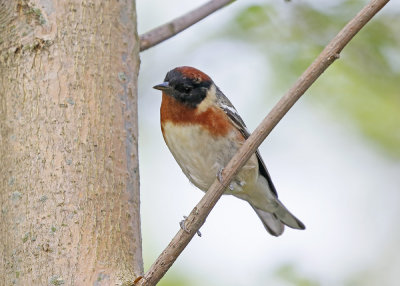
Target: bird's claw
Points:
(183, 226)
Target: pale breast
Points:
(201, 155)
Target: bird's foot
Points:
(231, 185)
(183, 226)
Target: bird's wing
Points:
(224, 103)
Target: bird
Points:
(203, 131)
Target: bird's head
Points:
(187, 85)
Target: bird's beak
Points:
(162, 86)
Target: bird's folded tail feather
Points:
(271, 223)
(274, 222)
(286, 217)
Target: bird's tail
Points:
(271, 223)
(274, 222)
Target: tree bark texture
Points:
(69, 181)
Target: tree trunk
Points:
(69, 181)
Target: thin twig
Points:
(198, 215)
(168, 30)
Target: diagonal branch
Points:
(198, 215)
(170, 29)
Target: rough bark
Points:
(69, 182)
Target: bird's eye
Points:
(183, 88)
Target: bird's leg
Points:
(183, 226)
(219, 174)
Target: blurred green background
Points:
(335, 158)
